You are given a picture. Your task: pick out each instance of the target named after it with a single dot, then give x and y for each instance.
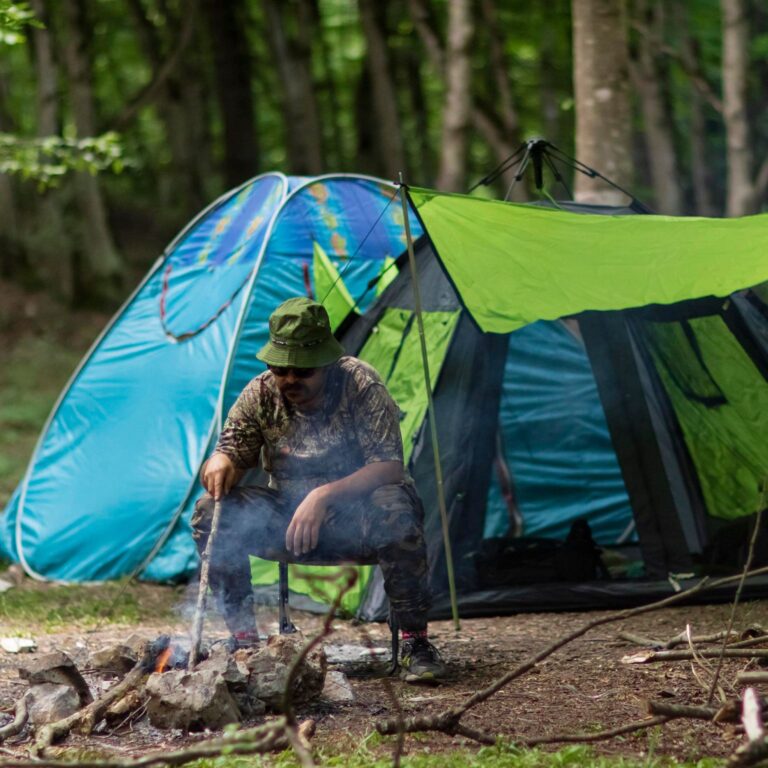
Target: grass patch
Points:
(49, 607)
(488, 757)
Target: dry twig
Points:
(448, 721)
(747, 565)
(19, 720)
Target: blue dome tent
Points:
(114, 476)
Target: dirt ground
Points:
(584, 687)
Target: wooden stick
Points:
(202, 592)
(574, 738)
(649, 642)
(86, 718)
(447, 721)
(19, 720)
(752, 677)
(707, 653)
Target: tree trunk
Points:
(421, 155)
(50, 244)
(601, 91)
(103, 265)
(337, 154)
(389, 138)
(293, 58)
(452, 173)
(12, 257)
(183, 185)
(741, 198)
(649, 78)
(227, 24)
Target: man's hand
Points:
(219, 475)
(304, 530)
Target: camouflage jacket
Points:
(358, 423)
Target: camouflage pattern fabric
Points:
(387, 528)
(357, 424)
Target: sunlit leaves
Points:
(47, 160)
(14, 17)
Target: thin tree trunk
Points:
(335, 153)
(389, 138)
(102, 262)
(649, 81)
(293, 59)
(452, 173)
(741, 199)
(50, 244)
(601, 91)
(12, 257)
(182, 186)
(500, 72)
(227, 25)
(421, 157)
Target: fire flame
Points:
(162, 659)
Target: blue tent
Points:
(114, 475)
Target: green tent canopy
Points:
(514, 264)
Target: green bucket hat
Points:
(300, 336)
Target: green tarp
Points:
(514, 264)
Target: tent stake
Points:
(430, 410)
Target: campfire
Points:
(154, 683)
(169, 653)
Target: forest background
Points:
(121, 119)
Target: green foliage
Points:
(47, 160)
(49, 608)
(35, 368)
(488, 757)
(14, 17)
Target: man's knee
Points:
(202, 517)
(397, 517)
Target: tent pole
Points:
(430, 410)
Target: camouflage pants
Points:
(388, 527)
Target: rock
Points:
(233, 670)
(18, 644)
(269, 665)
(58, 669)
(337, 688)
(120, 658)
(49, 702)
(191, 701)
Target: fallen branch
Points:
(269, 737)
(728, 713)
(21, 716)
(301, 745)
(750, 642)
(574, 738)
(86, 718)
(752, 677)
(683, 639)
(448, 721)
(649, 642)
(708, 653)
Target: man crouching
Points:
(327, 434)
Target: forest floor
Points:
(584, 687)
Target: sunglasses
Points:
(299, 373)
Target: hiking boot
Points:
(420, 661)
(246, 639)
